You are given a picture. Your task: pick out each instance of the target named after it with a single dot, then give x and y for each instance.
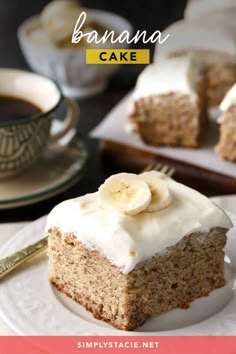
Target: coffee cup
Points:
(24, 139)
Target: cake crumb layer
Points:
(184, 272)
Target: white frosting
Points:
(184, 35)
(196, 8)
(229, 99)
(179, 74)
(128, 240)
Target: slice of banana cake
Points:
(226, 147)
(141, 245)
(169, 102)
(213, 46)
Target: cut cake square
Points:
(126, 254)
(226, 147)
(214, 46)
(169, 102)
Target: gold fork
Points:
(158, 166)
(8, 264)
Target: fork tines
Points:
(158, 166)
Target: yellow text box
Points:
(117, 56)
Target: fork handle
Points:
(8, 264)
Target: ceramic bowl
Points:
(67, 66)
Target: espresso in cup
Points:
(12, 108)
(27, 102)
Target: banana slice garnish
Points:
(161, 197)
(125, 192)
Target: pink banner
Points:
(104, 345)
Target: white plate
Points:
(31, 306)
(58, 169)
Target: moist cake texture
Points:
(189, 270)
(162, 251)
(169, 102)
(226, 147)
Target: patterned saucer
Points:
(58, 169)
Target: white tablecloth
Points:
(8, 230)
